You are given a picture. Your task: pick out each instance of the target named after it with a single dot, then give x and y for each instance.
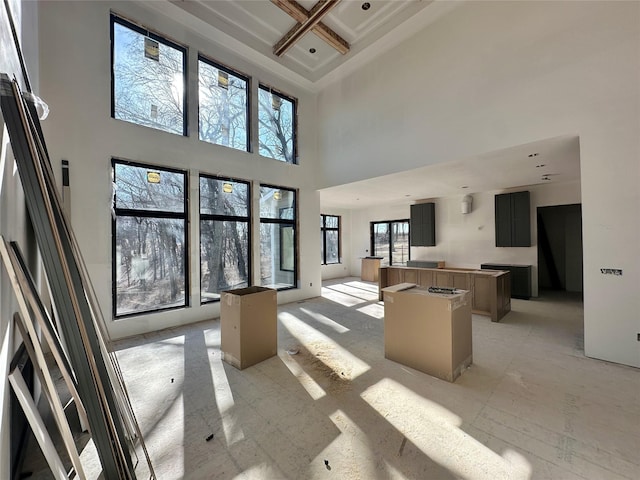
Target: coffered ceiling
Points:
(347, 32)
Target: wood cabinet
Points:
(490, 290)
(513, 219)
(422, 232)
(370, 268)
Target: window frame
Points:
(324, 229)
(284, 222)
(119, 19)
(294, 119)
(131, 212)
(389, 224)
(248, 112)
(223, 218)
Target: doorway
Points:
(560, 248)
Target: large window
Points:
(278, 251)
(149, 238)
(330, 231)
(225, 262)
(148, 78)
(390, 240)
(223, 105)
(277, 125)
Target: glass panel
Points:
(332, 246)
(223, 107)
(322, 246)
(150, 264)
(223, 197)
(224, 257)
(147, 81)
(331, 221)
(277, 255)
(277, 203)
(276, 126)
(400, 238)
(381, 242)
(146, 188)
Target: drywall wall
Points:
(490, 75)
(76, 82)
(466, 240)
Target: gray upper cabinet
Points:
(423, 225)
(513, 220)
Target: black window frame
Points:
(294, 119)
(223, 218)
(130, 212)
(115, 18)
(213, 63)
(283, 223)
(324, 229)
(389, 224)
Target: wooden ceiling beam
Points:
(302, 16)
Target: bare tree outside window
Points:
(149, 238)
(276, 131)
(224, 236)
(223, 106)
(148, 78)
(278, 252)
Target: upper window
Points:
(330, 231)
(278, 250)
(149, 238)
(223, 105)
(225, 262)
(148, 78)
(277, 125)
(390, 240)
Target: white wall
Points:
(76, 83)
(491, 75)
(341, 269)
(466, 241)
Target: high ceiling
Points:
(314, 42)
(253, 27)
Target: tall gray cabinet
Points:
(513, 220)
(423, 225)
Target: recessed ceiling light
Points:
(541, 165)
(531, 155)
(366, 6)
(312, 50)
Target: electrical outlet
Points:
(639, 337)
(311, 284)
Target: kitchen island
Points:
(490, 289)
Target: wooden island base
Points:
(490, 289)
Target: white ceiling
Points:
(252, 27)
(512, 167)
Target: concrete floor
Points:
(531, 406)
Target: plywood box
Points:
(427, 331)
(248, 326)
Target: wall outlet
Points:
(311, 284)
(639, 337)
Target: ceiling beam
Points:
(308, 20)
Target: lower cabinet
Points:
(520, 278)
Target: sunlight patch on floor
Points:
(325, 320)
(435, 431)
(224, 400)
(374, 310)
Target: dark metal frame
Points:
(132, 212)
(203, 58)
(294, 119)
(115, 18)
(227, 218)
(324, 229)
(389, 223)
(283, 222)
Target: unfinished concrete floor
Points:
(531, 406)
